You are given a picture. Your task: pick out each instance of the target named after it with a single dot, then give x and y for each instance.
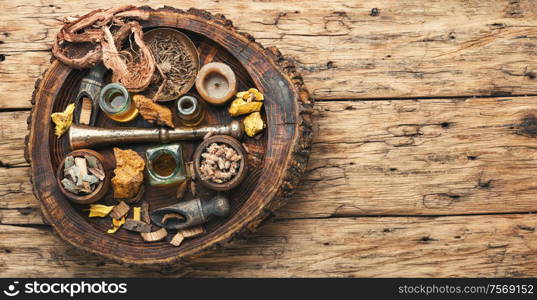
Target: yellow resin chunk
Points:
(246, 102)
(253, 124)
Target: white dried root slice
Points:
(120, 210)
(154, 236)
(169, 216)
(186, 233)
(137, 226)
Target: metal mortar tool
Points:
(195, 212)
(87, 137)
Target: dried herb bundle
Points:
(177, 67)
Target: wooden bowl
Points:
(189, 47)
(277, 156)
(243, 166)
(99, 191)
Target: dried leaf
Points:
(116, 224)
(99, 210)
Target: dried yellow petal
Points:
(136, 213)
(116, 224)
(99, 210)
(253, 124)
(63, 119)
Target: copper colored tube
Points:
(81, 136)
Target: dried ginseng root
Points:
(120, 210)
(133, 67)
(78, 44)
(154, 236)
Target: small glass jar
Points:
(165, 165)
(115, 101)
(190, 111)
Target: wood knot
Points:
(374, 12)
(527, 126)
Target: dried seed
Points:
(181, 190)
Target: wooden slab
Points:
(470, 246)
(282, 149)
(345, 50)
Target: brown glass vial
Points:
(190, 110)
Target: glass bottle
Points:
(190, 111)
(165, 165)
(115, 101)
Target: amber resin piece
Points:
(253, 124)
(152, 112)
(129, 174)
(246, 102)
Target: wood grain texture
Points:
(408, 48)
(471, 246)
(404, 157)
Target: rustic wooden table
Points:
(423, 162)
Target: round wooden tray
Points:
(277, 159)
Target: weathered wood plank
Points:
(428, 157)
(472, 246)
(345, 50)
